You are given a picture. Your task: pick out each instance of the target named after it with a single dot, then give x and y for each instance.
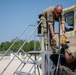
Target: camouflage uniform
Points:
(47, 17)
(66, 71)
(72, 53)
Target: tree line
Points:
(29, 46)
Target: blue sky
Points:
(17, 14)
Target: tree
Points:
(29, 46)
(26, 47)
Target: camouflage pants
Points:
(46, 31)
(66, 71)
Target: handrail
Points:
(15, 41)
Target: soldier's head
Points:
(58, 10)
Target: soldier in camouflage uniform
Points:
(70, 58)
(47, 17)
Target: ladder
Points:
(38, 61)
(28, 55)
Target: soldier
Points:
(48, 17)
(70, 61)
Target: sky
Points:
(15, 15)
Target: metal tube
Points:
(58, 63)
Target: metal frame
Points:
(45, 61)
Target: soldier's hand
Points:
(63, 34)
(54, 38)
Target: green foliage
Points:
(28, 46)
(5, 45)
(31, 44)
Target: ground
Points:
(12, 67)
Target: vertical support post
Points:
(58, 63)
(43, 64)
(48, 53)
(43, 56)
(35, 50)
(42, 40)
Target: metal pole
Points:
(42, 48)
(48, 58)
(58, 63)
(35, 50)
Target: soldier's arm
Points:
(69, 57)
